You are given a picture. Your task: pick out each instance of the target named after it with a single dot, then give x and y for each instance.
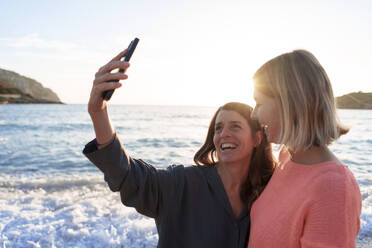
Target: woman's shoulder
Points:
(335, 182)
(191, 170)
(191, 177)
(328, 176)
(198, 170)
(333, 172)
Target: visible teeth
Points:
(228, 146)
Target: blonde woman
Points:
(312, 199)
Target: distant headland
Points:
(355, 100)
(15, 88)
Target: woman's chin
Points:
(233, 159)
(272, 139)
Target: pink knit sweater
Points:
(307, 206)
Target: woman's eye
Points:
(235, 126)
(218, 128)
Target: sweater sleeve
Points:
(140, 184)
(333, 220)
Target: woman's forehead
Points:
(229, 115)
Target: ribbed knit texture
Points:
(307, 206)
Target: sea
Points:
(52, 196)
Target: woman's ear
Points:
(258, 138)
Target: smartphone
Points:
(132, 46)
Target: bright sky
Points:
(191, 52)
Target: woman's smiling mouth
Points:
(228, 146)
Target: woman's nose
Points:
(225, 132)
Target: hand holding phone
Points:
(132, 46)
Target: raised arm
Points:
(140, 184)
(97, 107)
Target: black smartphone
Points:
(132, 46)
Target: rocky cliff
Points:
(15, 88)
(355, 100)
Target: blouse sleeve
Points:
(333, 220)
(140, 184)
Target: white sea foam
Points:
(366, 218)
(69, 212)
(3, 140)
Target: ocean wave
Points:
(56, 127)
(49, 185)
(157, 142)
(366, 217)
(20, 127)
(69, 213)
(3, 140)
(68, 127)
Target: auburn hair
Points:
(261, 165)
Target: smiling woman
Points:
(185, 201)
(233, 139)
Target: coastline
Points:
(24, 99)
(40, 102)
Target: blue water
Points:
(51, 196)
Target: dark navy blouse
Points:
(189, 204)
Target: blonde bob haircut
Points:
(304, 96)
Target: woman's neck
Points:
(313, 155)
(232, 175)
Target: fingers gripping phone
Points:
(132, 46)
